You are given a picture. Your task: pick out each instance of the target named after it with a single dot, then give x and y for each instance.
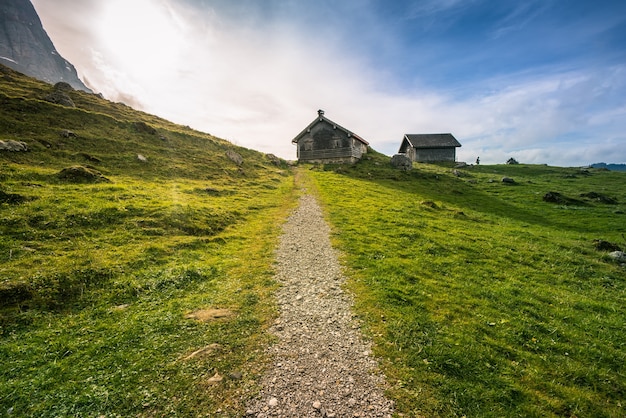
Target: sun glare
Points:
(143, 37)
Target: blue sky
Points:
(541, 81)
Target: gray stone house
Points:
(324, 141)
(426, 148)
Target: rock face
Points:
(26, 47)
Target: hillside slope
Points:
(127, 244)
(487, 298)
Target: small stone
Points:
(317, 404)
(273, 402)
(618, 256)
(235, 375)
(215, 379)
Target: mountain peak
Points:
(26, 47)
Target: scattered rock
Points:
(430, 204)
(558, 198)
(602, 245)
(215, 379)
(317, 404)
(236, 375)
(618, 256)
(65, 133)
(61, 98)
(142, 158)
(457, 173)
(14, 293)
(80, 174)
(234, 157)
(212, 314)
(508, 180)
(599, 198)
(461, 164)
(204, 350)
(553, 197)
(13, 146)
(88, 157)
(11, 198)
(273, 402)
(63, 86)
(144, 128)
(274, 159)
(402, 162)
(212, 191)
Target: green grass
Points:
(482, 299)
(97, 279)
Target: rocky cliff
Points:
(26, 47)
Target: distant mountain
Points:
(612, 167)
(26, 47)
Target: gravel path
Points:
(322, 366)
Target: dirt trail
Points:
(322, 366)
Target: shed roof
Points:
(320, 118)
(432, 140)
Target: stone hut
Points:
(324, 141)
(426, 148)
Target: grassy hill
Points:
(136, 270)
(483, 298)
(119, 243)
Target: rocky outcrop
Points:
(402, 162)
(234, 157)
(13, 146)
(26, 47)
(80, 174)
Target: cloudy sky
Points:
(543, 81)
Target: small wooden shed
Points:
(426, 148)
(324, 141)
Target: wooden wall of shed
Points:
(426, 155)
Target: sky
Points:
(541, 81)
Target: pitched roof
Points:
(432, 140)
(321, 118)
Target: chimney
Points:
(320, 113)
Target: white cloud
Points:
(259, 85)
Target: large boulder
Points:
(234, 157)
(402, 162)
(80, 174)
(144, 128)
(61, 98)
(13, 146)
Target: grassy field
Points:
(132, 292)
(482, 298)
(136, 271)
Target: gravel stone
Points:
(321, 357)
